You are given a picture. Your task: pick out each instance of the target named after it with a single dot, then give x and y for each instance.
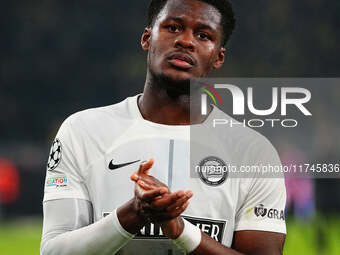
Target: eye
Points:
(173, 28)
(203, 36)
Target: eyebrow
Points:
(200, 25)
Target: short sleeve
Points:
(263, 207)
(64, 173)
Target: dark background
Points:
(59, 57)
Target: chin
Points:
(175, 84)
(178, 75)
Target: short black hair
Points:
(223, 6)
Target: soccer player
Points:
(96, 202)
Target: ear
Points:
(145, 40)
(220, 58)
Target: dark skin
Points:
(184, 42)
(245, 242)
(189, 28)
(165, 208)
(154, 204)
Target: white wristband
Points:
(190, 237)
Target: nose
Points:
(185, 40)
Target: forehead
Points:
(193, 10)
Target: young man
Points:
(92, 207)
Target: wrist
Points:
(173, 228)
(180, 228)
(190, 238)
(130, 218)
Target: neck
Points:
(168, 103)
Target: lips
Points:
(181, 60)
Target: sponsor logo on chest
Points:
(213, 228)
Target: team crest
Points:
(55, 155)
(212, 171)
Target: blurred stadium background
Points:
(59, 57)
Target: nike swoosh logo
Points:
(116, 166)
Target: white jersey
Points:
(95, 152)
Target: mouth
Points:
(181, 60)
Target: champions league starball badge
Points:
(212, 171)
(55, 155)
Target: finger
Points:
(154, 207)
(147, 208)
(177, 212)
(148, 186)
(159, 197)
(145, 167)
(134, 176)
(189, 193)
(168, 199)
(179, 203)
(144, 185)
(151, 194)
(165, 216)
